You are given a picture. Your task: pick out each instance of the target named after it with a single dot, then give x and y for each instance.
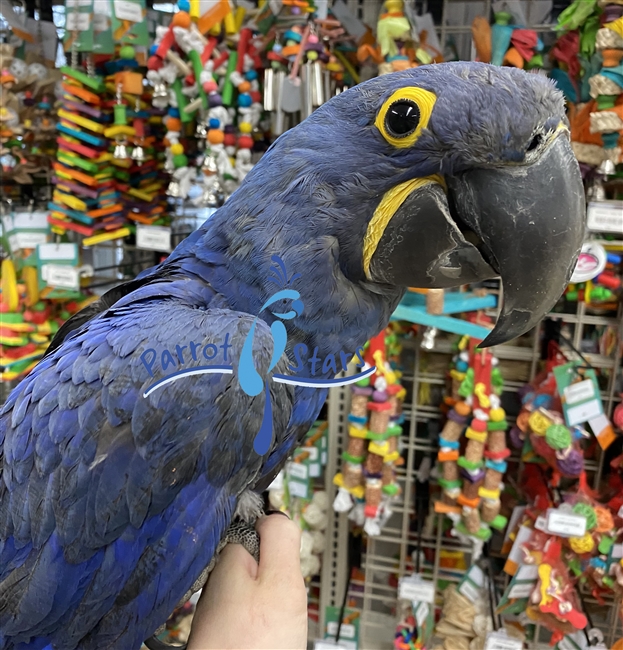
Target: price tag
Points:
(565, 524)
(62, 251)
(298, 489)
(326, 644)
(416, 589)
(521, 589)
(421, 613)
(126, 10)
(579, 392)
(298, 470)
(528, 572)
(78, 22)
(72, 4)
(605, 216)
(26, 239)
(154, 238)
(61, 276)
(470, 591)
(347, 631)
(314, 470)
(501, 641)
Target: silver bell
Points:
(607, 167)
(138, 155)
(209, 166)
(174, 190)
(213, 196)
(169, 166)
(160, 91)
(121, 151)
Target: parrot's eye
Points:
(404, 115)
(402, 118)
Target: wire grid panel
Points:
(413, 526)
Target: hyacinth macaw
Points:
(113, 503)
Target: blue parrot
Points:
(125, 461)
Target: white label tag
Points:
(579, 392)
(528, 572)
(347, 631)
(521, 589)
(421, 613)
(314, 470)
(27, 240)
(313, 453)
(126, 10)
(415, 589)
(297, 470)
(154, 238)
(100, 23)
(565, 524)
(78, 22)
(63, 251)
(72, 4)
(327, 644)
(605, 216)
(584, 412)
(617, 551)
(30, 221)
(297, 489)
(501, 641)
(61, 276)
(470, 591)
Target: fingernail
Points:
(276, 512)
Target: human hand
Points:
(255, 607)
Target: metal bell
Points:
(209, 166)
(174, 190)
(121, 151)
(213, 196)
(607, 167)
(169, 166)
(138, 155)
(160, 91)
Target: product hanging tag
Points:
(473, 583)
(501, 641)
(579, 392)
(416, 589)
(154, 238)
(297, 478)
(61, 276)
(565, 523)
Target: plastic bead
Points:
(245, 142)
(245, 127)
(216, 136)
(181, 18)
(210, 86)
(180, 161)
(244, 100)
(177, 149)
(214, 123)
(127, 52)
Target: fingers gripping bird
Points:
(113, 504)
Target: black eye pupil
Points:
(402, 118)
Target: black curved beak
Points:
(531, 221)
(524, 223)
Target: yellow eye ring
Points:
(424, 99)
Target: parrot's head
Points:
(436, 177)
